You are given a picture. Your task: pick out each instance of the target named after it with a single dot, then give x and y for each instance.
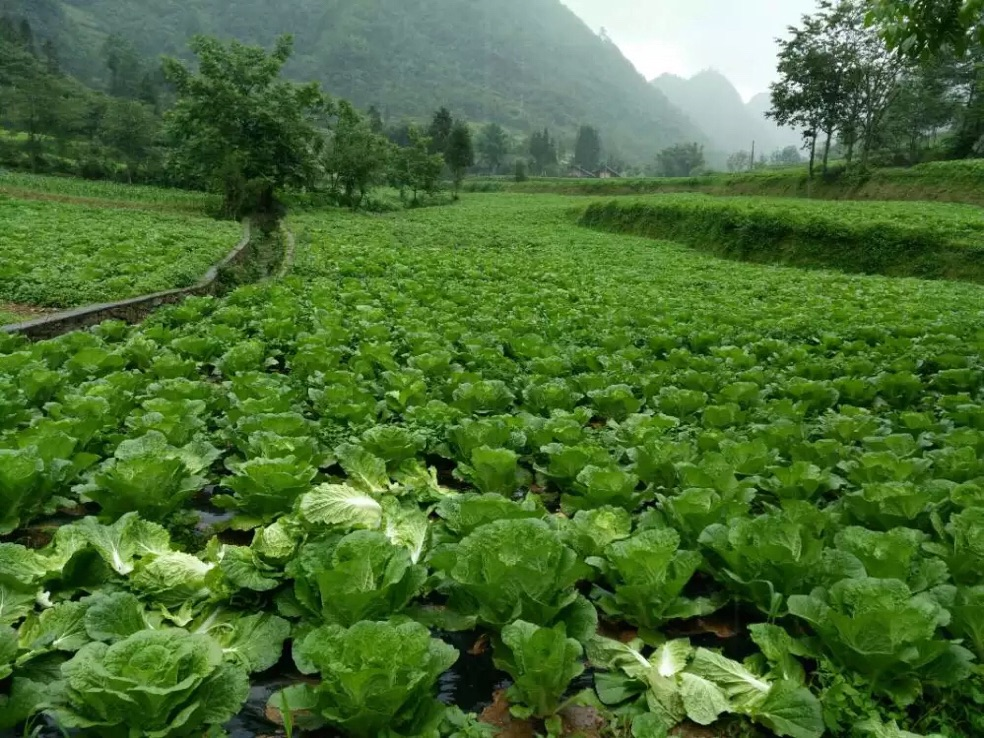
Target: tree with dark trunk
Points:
(241, 129)
(587, 149)
(460, 154)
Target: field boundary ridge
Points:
(745, 231)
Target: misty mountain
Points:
(758, 106)
(717, 108)
(522, 63)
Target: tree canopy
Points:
(681, 160)
(238, 127)
(921, 28)
(836, 79)
(493, 146)
(543, 150)
(587, 148)
(460, 153)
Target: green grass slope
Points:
(899, 239)
(945, 181)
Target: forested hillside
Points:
(522, 63)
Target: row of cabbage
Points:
(54, 254)
(411, 446)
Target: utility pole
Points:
(751, 165)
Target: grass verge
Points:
(924, 240)
(951, 181)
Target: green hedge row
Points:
(947, 181)
(932, 241)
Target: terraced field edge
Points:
(952, 181)
(876, 240)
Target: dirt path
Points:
(12, 312)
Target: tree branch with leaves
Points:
(239, 128)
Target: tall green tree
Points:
(375, 119)
(239, 127)
(926, 102)
(543, 150)
(740, 161)
(131, 128)
(440, 130)
(785, 157)
(493, 146)
(125, 67)
(415, 168)
(871, 74)
(587, 148)
(809, 94)
(681, 160)
(460, 153)
(36, 99)
(355, 158)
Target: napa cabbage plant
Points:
(767, 558)
(361, 576)
(879, 629)
(692, 510)
(149, 476)
(589, 532)
(542, 663)
(604, 486)
(493, 470)
(677, 682)
(646, 575)
(377, 680)
(516, 569)
(20, 697)
(154, 684)
(462, 514)
(30, 477)
(265, 488)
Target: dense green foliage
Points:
(519, 63)
(922, 29)
(238, 128)
(910, 239)
(587, 149)
(459, 153)
(884, 82)
(946, 181)
(414, 429)
(682, 160)
(61, 125)
(233, 126)
(62, 255)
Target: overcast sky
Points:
(686, 36)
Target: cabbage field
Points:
(478, 457)
(55, 254)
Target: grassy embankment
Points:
(926, 240)
(953, 181)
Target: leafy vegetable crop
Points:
(671, 488)
(61, 255)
